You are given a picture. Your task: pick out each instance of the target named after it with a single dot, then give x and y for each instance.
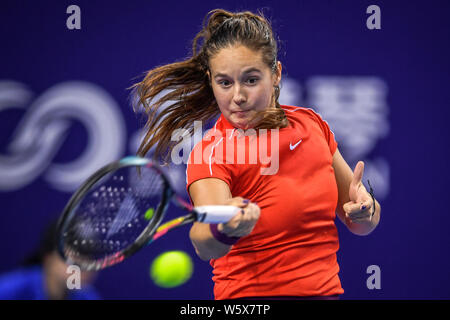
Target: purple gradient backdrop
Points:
(120, 40)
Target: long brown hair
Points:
(188, 81)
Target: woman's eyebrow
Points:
(245, 72)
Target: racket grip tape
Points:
(215, 213)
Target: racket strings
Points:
(112, 215)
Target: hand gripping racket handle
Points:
(215, 214)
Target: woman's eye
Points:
(226, 83)
(252, 80)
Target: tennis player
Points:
(283, 243)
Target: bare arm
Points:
(212, 191)
(352, 195)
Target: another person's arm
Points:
(352, 197)
(212, 191)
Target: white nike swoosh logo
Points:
(292, 147)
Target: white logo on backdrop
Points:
(356, 110)
(42, 130)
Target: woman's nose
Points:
(239, 96)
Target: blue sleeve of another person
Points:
(28, 284)
(88, 293)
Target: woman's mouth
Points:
(241, 114)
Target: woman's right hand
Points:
(244, 221)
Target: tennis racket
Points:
(120, 209)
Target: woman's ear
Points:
(278, 74)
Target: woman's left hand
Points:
(360, 207)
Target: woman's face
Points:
(242, 84)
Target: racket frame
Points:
(146, 235)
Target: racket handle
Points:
(215, 214)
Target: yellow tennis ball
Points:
(171, 269)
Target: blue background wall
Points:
(384, 93)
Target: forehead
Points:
(237, 58)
